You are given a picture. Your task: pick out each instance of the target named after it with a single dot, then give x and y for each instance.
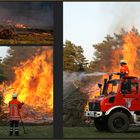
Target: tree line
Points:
(75, 61)
(15, 55)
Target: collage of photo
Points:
(69, 70)
(26, 69)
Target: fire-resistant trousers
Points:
(14, 125)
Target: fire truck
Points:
(118, 105)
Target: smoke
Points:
(126, 15)
(34, 14)
(69, 80)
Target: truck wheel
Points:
(118, 122)
(100, 124)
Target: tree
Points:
(3, 78)
(73, 57)
(103, 59)
(16, 55)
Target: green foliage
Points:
(73, 58)
(103, 54)
(16, 55)
(73, 108)
(3, 77)
(33, 132)
(91, 132)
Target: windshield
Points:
(112, 86)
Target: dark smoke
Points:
(33, 14)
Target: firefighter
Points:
(14, 110)
(126, 87)
(124, 70)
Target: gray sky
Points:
(87, 23)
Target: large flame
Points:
(34, 82)
(129, 52)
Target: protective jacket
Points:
(14, 107)
(125, 70)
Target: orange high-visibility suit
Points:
(125, 70)
(14, 106)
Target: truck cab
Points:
(118, 106)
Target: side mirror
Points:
(99, 85)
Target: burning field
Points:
(26, 23)
(33, 81)
(19, 33)
(83, 85)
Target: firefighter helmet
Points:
(123, 62)
(14, 95)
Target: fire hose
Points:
(22, 124)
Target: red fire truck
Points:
(118, 106)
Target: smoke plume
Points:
(34, 14)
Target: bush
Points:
(6, 34)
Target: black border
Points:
(58, 70)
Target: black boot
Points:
(10, 133)
(17, 133)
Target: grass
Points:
(26, 39)
(32, 132)
(91, 132)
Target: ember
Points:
(19, 25)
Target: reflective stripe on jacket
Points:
(125, 70)
(14, 106)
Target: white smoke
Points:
(70, 78)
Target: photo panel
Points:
(26, 69)
(26, 76)
(26, 23)
(101, 59)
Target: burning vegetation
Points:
(129, 50)
(107, 56)
(34, 84)
(12, 32)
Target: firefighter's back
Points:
(14, 109)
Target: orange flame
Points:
(34, 82)
(19, 25)
(129, 52)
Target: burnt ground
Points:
(26, 36)
(31, 132)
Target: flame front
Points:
(129, 51)
(19, 25)
(34, 82)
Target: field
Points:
(31, 132)
(25, 36)
(28, 39)
(91, 132)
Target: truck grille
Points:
(94, 106)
